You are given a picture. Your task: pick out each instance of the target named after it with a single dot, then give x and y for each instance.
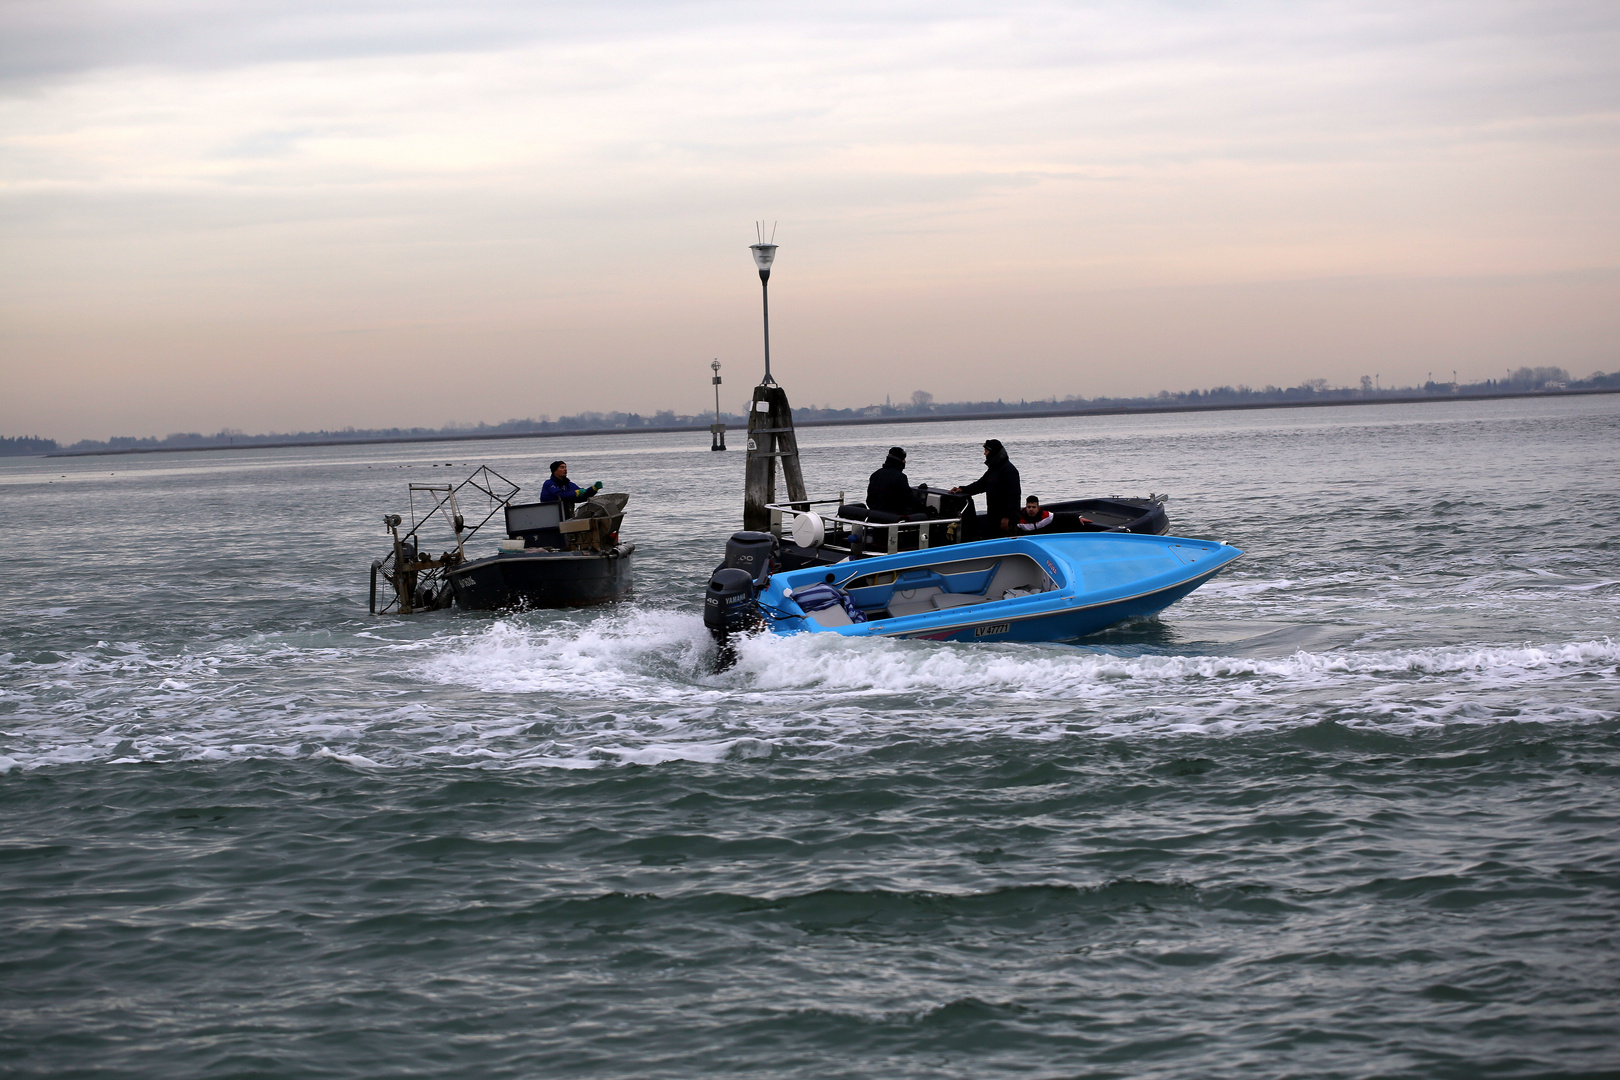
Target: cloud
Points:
(57, 38)
(573, 184)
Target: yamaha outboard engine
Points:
(753, 552)
(728, 608)
(729, 602)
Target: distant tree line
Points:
(24, 445)
(922, 403)
(1524, 380)
(585, 421)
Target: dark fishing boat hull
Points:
(543, 579)
(1145, 517)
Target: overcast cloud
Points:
(290, 215)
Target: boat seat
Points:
(831, 616)
(1020, 574)
(953, 600)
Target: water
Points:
(1348, 810)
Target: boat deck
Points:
(896, 594)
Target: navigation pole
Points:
(717, 429)
(770, 421)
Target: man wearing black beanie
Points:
(888, 489)
(1001, 488)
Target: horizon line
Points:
(1011, 412)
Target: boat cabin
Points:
(538, 525)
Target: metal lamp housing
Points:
(764, 255)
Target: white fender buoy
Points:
(809, 530)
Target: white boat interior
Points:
(892, 594)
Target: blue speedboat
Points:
(1048, 588)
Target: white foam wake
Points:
(645, 653)
(831, 663)
(638, 686)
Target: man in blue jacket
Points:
(558, 488)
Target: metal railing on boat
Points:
(783, 513)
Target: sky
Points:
(281, 215)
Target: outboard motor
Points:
(729, 602)
(753, 552)
(728, 607)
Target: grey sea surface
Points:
(1349, 810)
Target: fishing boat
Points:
(1028, 588)
(548, 561)
(554, 555)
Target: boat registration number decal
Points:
(993, 628)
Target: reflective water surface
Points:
(1348, 810)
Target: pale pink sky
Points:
(291, 215)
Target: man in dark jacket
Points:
(1000, 486)
(889, 491)
(558, 488)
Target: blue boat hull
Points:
(1068, 586)
(1061, 625)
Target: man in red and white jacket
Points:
(1033, 517)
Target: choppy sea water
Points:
(1349, 810)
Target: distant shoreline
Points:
(859, 421)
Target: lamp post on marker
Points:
(771, 441)
(764, 255)
(717, 429)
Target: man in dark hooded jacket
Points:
(1000, 486)
(889, 491)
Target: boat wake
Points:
(636, 686)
